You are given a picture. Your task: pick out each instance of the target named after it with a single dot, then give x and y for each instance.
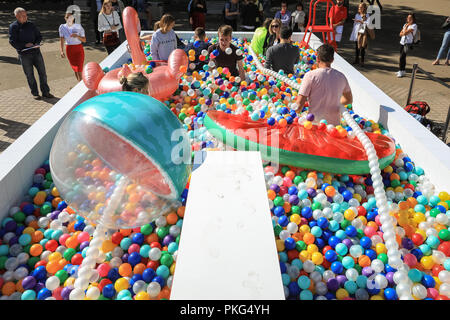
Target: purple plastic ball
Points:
(293, 199)
(65, 292)
(83, 245)
(54, 214)
(167, 240)
(341, 279)
(333, 284)
(311, 192)
(347, 242)
(28, 282)
(310, 117)
(367, 271)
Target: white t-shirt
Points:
(105, 21)
(65, 32)
(409, 38)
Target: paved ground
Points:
(18, 110)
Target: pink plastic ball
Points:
(134, 248)
(83, 236)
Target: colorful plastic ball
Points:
(108, 291)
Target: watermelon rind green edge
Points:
(302, 160)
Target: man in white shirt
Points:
(406, 41)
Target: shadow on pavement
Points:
(13, 128)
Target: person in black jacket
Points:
(249, 15)
(197, 14)
(25, 37)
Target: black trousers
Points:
(97, 33)
(402, 62)
(110, 49)
(29, 61)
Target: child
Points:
(198, 46)
(164, 40)
(135, 82)
(298, 19)
(148, 37)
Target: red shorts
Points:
(75, 55)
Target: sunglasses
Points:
(275, 26)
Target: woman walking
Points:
(109, 24)
(72, 35)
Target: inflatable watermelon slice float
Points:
(297, 146)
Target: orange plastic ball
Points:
(125, 269)
(36, 249)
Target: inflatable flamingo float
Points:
(164, 79)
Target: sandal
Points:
(435, 63)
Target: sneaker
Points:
(400, 74)
(48, 95)
(38, 97)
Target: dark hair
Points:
(225, 30)
(284, 1)
(300, 4)
(325, 53)
(413, 16)
(285, 33)
(200, 33)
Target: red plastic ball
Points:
(51, 245)
(153, 264)
(417, 239)
(116, 238)
(155, 244)
(445, 248)
(362, 211)
(77, 259)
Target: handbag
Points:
(110, 39)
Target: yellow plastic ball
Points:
(427, 262)
(444, 196)
(108, 246)
(317, 258)
(304, 228)
(419, 217)
(311, 248)
(55, 256)
(142, 296)
(295, 218)
(349, 214)
(69, 282)
(280, 245)
(341, 294)
(121, 284)
(380, 248)
(303, 255)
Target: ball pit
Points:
(328, 229)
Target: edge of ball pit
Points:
(327, 164)
(173, 172)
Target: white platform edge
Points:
(227, 248)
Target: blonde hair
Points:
(156, 25)
(364, 7)
(103, 6)
(165, 22)
(136, 82)
(276, 20)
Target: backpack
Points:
(418, 107)
(417, 37)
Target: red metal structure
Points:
(327, 30)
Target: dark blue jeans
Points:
(30, 60)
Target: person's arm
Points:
(347, 96)
(241, 69)
(37, 35)
(117, 18)
(269, 59)
(301, 99)
(154, 44)
(14, 38)
(61, 40)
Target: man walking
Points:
(25, 37)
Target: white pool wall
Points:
(32, 148)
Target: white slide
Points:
(227, 246)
